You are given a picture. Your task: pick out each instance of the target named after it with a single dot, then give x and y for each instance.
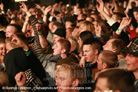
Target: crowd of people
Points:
(65, 48)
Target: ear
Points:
(96, 52)
(105, 66)
(75, 83)
(63, 51)
(114, 50)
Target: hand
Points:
(37, 6)
(20, 79)
(125, 22)
(47, 10)
(82, 62)
(2, 6)
(100, 8)
(23, 7)
(17, 41)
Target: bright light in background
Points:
(20, 0)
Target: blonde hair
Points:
(75, 71)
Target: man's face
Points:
(63, 80)
(2, 49)
(136, 15)
(57, 49)
(56, 38)
(99, 62)
(132, 62)
(101, 85)
(38, 27)
(89, 53)
(108, 45)
(10, 30)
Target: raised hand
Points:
(23, 7)
(2, 6)
(125, 22)
(47, 9)
(100, 8)
(37, 6)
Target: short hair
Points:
(65, 44)
(109, 57)
(76, 72)
(17, 27)
(119, 45)
(119, 79)
(86, 35)
(58, 25)
(2, 40)
(94, 43)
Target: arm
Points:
(46, 11)
(25, 24)
(20, 79)
(36, 48)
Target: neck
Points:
(63, 56)
(94, 60)
(136, 75)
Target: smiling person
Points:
(132, 59)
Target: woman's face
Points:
(2, 50)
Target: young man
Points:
(132, 59)
(68, 77)
(91, 49)
(115, 80)
(107, 59)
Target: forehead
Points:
(88, 47)
(102, 84)
(10, 28)
(110, 41)
(63, 73)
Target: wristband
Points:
(118, 30)
(25, 22)
(3, 12)
(27, 53)
(39, 33)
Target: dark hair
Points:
(94, 43)
(119, 79)
(86, 35)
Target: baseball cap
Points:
(60, 32)
(133, 48)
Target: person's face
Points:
(10, 30)
(57, 49)
(68, 24)
(82, 28)
(89, 53)
(63, 80)
(99, 62)
(54, 27)
(38, 27)
(2, 49)
(136, 15)
(108, 45)
(80, 42)
(56, 38)
(50, 25)
(101, 85)
(132, 62)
